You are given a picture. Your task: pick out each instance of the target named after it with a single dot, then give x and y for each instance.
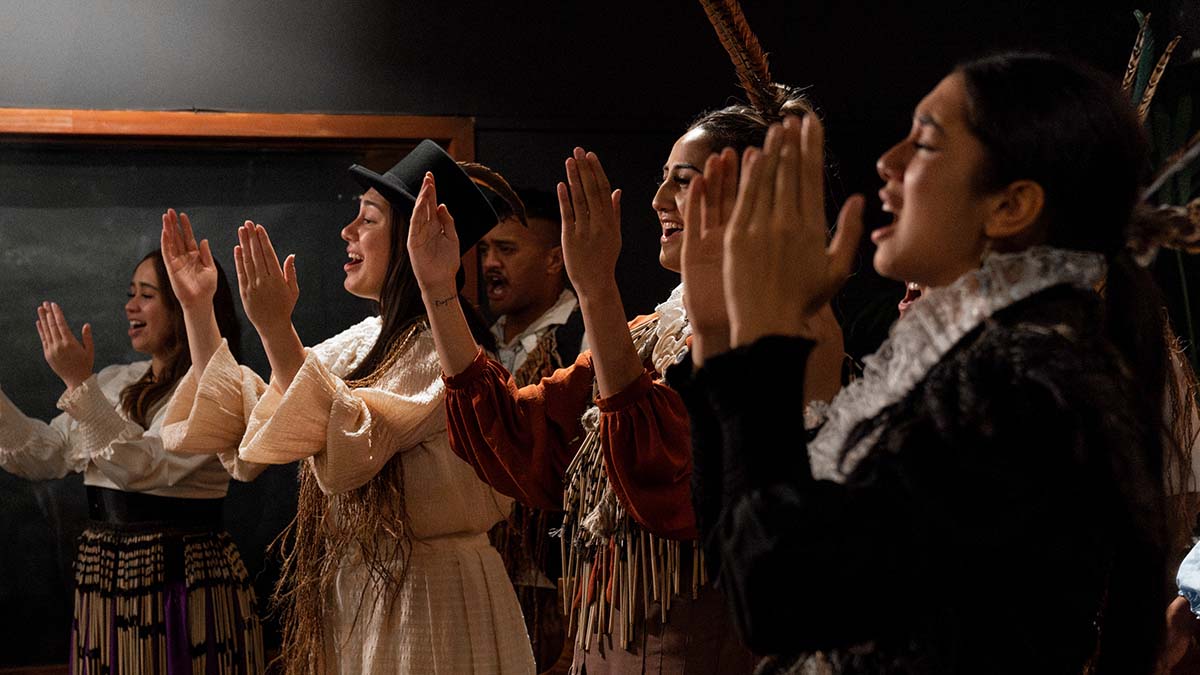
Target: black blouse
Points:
(979, 532)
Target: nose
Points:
(891, 163)
(490, 259)
(132, 304)
(664, 197)
(348, 230)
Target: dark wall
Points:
(619, 77)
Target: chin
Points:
(886, 268)
(670, 259)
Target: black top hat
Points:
(473, 214)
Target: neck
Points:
(516, 322)
(158, 365)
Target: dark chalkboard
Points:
(74, 220)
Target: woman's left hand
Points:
(71, 359)
(269, 291)
(778, 270)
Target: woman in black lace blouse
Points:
(987, 498)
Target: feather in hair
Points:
(749, 60)
(1135, 56)
(1152, 84)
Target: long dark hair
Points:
(142, 396)
(1066, 127)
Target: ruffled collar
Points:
(672, 331)
(929, 330)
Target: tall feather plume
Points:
(750, 61)
(1135, 57)
(1152, 85)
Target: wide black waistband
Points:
(117, 507)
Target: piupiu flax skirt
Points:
(163, 598)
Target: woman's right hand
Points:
(191, 269)
(433, 245)
(269, 291)
(70, 358)
(591, 225)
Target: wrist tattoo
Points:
(446, 301)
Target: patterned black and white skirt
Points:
(168, 595)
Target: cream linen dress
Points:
(457, 612)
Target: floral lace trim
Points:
(672, 331)
(931, 329)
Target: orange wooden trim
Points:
(458, 133)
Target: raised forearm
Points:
(286, 354)
(456, 347)
(204, 336)
(613, 355)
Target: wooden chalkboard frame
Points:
(238, 129)
(381, 139)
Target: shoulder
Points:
(343, 351)
(121, 375)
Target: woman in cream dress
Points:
(387, 567)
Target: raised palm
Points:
(190, 266)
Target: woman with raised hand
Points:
(159, 584)
(988, 496)
(606, 439)
(387, 567)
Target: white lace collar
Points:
(672, 331)
(929, 330)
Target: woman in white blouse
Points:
(159, 584)
(387, 567)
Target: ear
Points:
(554, 260)
(1014, 214)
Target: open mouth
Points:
(670, 230)
(355, 259)
(497, 286)
(912, 293)
(136, 327)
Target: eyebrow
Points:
(143, 283)
(682, 165)
(925, 119)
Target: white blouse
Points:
(94, 436)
